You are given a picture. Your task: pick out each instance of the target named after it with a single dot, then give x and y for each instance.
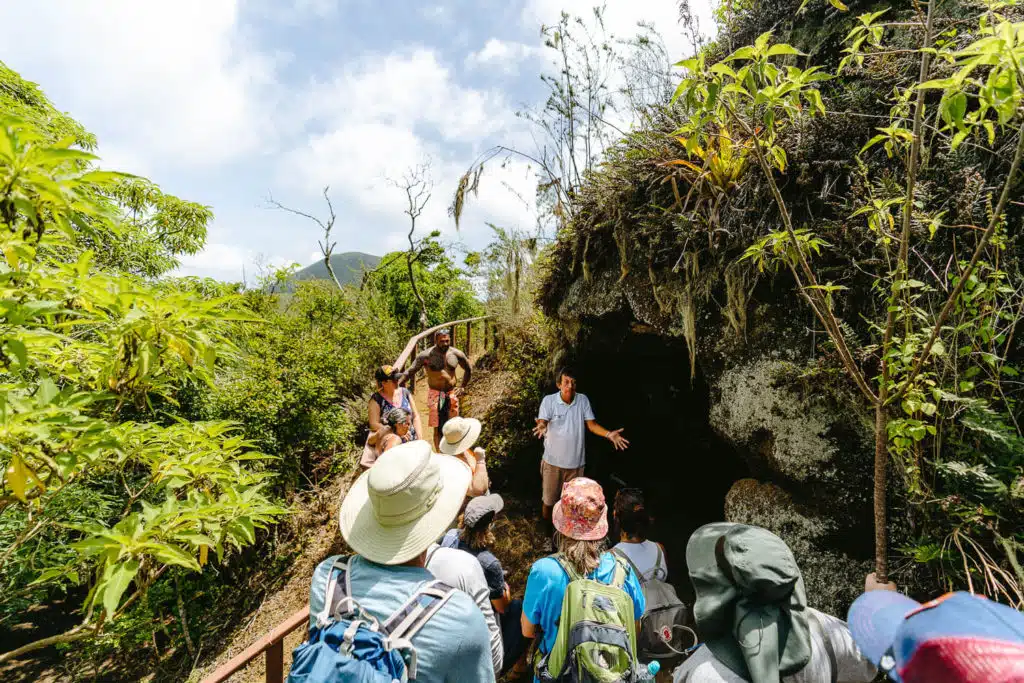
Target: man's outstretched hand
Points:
(617, 439)
(541, 428)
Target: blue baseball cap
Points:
(958, 638)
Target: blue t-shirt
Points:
(453, 646)
(542, 604)
(491, 565)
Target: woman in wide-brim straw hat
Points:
(459, 436)
(390, 517)
(397, 508)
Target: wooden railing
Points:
(272, 644)
(414, 342)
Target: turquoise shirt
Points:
(542, 604)
(453, 646)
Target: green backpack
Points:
(596, 639)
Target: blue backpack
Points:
(347, 643)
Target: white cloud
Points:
(410, 88)
(178, 82)
(621, 18)
(504, 55)
(384, 114)
(231, 263)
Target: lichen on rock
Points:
(832, 577)
(758, 408)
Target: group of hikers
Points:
(425, 598)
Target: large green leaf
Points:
(115, 581)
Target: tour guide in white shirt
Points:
(560, 423)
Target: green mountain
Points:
(349, 267)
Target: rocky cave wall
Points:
(762, 434)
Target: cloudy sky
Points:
(225, 101)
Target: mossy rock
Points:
(834, 578)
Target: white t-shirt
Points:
(645, 556)
(459, 569)
(703, 667)
(564, 443)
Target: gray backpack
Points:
(666, 629)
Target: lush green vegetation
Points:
(446, 290)
(153, 427)
(860, 167)
(938, 346)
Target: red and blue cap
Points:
(958, 638)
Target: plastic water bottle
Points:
(650, 671)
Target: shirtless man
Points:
(440, 361)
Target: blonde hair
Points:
(582, 556)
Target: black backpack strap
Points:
(339, 603)
(336, 573)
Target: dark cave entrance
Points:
(640, 380)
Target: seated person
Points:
(647, 557)
(752, 614)
(475, 536)
(395, 431)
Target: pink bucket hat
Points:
(582, 512)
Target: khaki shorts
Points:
(552, 479)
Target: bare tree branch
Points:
(325, 245)
(418, 187)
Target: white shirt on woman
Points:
(461, 570)
(645, 557)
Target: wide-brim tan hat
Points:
(460, 433)
(402, 504)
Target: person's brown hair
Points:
(631, 513)
(583, 556)
(479, 537)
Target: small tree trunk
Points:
(330, 271)
(416, 291)
(184, 620)
(881, 479)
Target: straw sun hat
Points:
(460, 433)
(398, 507)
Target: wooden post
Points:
(412, 378)
(454, 329)
(469, 339)
(275, 662)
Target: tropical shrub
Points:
(446, 290)
(299, 369)
(103, 489)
